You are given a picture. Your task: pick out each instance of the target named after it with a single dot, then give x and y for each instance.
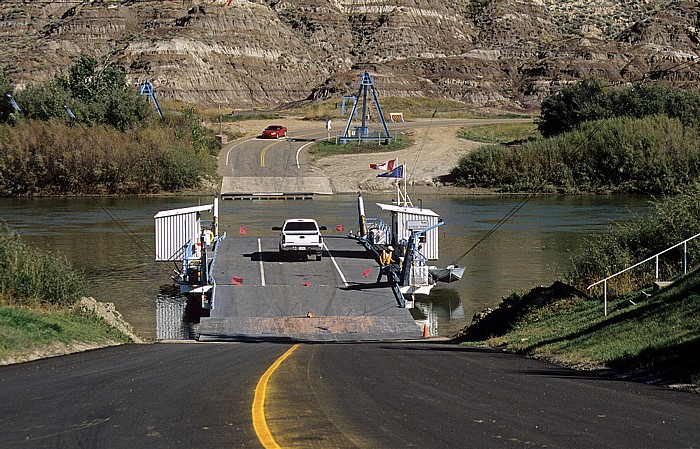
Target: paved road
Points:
(369, 395)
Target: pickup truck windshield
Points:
(300, 226)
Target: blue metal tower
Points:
(362, 132)
(147, 89)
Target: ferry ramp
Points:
(260, 297)
(274, 187)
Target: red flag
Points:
(388, 165)
(366, 273)
(339, 228)
(242, 230)
(235, 280)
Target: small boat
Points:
(450, 273)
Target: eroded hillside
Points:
(506, 54)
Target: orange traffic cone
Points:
(426, 334)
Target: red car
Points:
(274, 132)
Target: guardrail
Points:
(654, 257)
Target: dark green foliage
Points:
(654, 154)
(95, 93)
(45, 101)
(590, 100)
(6, 108)
(573, 105)
(30, 276)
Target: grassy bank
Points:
(41, 312)
(654, 339)
(500, 133)
(27, 334)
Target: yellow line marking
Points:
(259, 424)
(262, 153)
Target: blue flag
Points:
(395, 173)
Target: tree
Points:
(90, 82)
(45, 101)
(100, 95)
(581, 102)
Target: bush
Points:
(672, 220)
(96, 94)
(591, 100)
(30, 277)
(584, 101)
(48, 158)
(654, 155)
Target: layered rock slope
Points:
(506, 54)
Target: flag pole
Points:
(398, 185)
(405, 195)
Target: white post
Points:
(605, 296)
(657, 267)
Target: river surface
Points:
(112, 241)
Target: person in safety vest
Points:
(386, 258)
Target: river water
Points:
(112, 241)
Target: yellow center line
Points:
(259, 423)
(262, 153)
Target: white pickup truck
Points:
(300, 236)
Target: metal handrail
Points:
(656, 257)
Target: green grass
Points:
(329, 148)
(500, 133)
(412, 107)
(657, 338)
(23, 331)
(245, 115)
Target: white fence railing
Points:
(655, 257)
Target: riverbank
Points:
(31, 334)
(643, 338)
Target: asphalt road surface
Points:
(369, 395)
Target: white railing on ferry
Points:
(654, 257)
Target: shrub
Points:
(46, 158)
(30, 277)
(672, 220)
(591, 100)
(650, 155)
